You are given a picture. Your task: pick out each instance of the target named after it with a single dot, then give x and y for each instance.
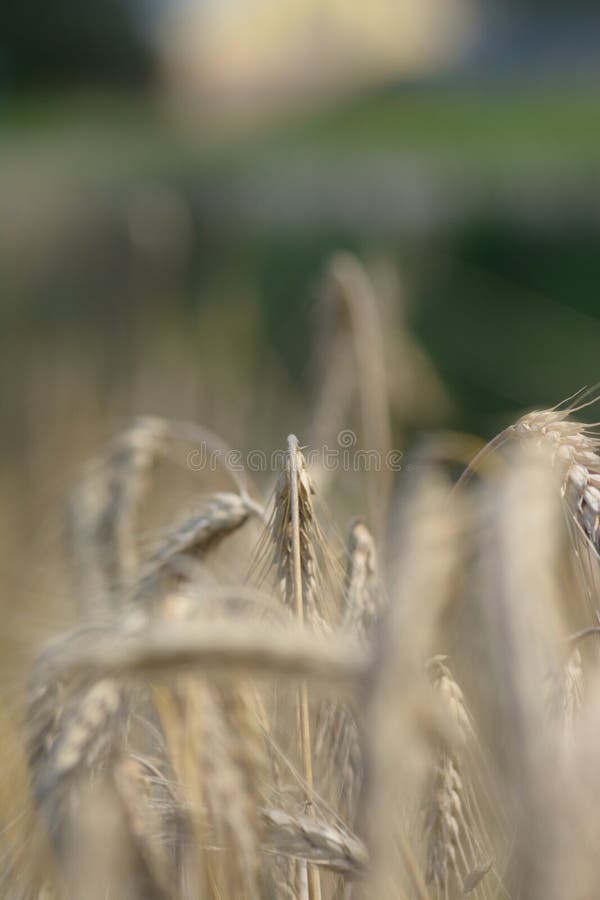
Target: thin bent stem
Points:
(480, 458)
(584, 633)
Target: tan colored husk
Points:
(351, 330)
(220, 646)
(178, 550)
(400, 721)
(339, 742)
(458, 850)
(524, 616)
(294, 497)
(102, 517)
(306, 837)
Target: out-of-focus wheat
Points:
(429, 729)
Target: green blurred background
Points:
(175, 175)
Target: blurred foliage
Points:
(64, 44)
(502, 290)
(480, 126)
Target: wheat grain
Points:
(102, 517)
(457, 845)
(174, 557)
(339, 741)
(316, 841)
(363, 590)
(295, 539)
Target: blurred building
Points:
(268, 52)
(530, 41)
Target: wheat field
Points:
(375, 677)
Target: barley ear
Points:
(352, 335)
(102, 517)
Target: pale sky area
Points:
(271, 50)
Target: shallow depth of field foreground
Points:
(371, 673)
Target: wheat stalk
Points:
(523, 621)
(211, 645)
(398, 717)
(230, 785)
(298, 571)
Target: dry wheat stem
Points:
(523, 613)
(584, 633)
(222, 646)
(230, 784)
(314, 884)
(399, 718)
(143, 823)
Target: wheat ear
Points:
(573, 449)
(178, 547)
(298, 547)
(363, 590)
(339, 736)
(70, 739)
(352, 336)
(457, 842)
(102, 514)
(330, 846)
(102, 517)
